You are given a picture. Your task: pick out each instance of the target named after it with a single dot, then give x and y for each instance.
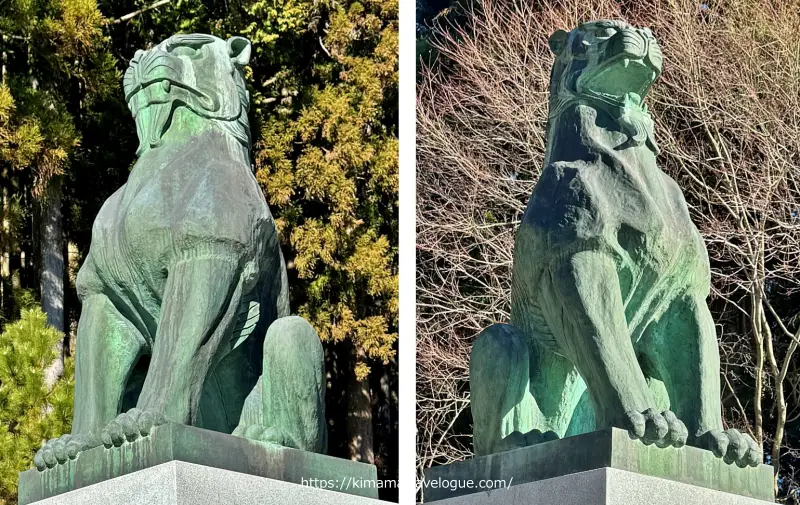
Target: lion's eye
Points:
(579, 46)
(185, 51)
(604, 33)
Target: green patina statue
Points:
(184, 290)
(609, 324)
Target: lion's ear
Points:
(558, 41)
(239, 50)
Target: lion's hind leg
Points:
(520, 394)
(287, 407)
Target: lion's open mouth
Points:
(622, 80)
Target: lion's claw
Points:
(677, 432)
(732, 446)
(663, 429)
(130, 426)
(266, 434)
(126, 427)
(517, 439)
(60, 450)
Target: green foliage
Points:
(54, 58)
(328, 165)
(29, 412)
(323, 85)
(20, 137)
(56, 74)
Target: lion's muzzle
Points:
(635, 44)
(627, 65)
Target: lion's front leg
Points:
(682, 346)
(108, 348)
(582, 304)
(201, 300)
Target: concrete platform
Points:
(179, 483)
(604, 486)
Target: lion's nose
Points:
(630, 42)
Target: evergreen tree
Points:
(54, 70)
(323, 82)
(30, 411)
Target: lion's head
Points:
(608, 64)
(200, 72)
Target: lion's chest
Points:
(184, 205)
(640, 220)
(639, 216)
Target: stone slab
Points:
(179, 483)
(604, 486)
(611, 448)
(176, 442)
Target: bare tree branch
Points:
(133, 14)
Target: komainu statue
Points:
(609, 323)
(184, 289)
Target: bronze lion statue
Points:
(609, 323)
(184, 290)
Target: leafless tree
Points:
(727, 109)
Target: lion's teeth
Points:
(166, 85)
(626, 62)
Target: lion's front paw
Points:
(129, 426)
(663, 429)
(732, 446)
(266, 434)
(59, 450)
(517, 439)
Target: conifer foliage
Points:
(323, 84)
(29, 411)
(328, 165)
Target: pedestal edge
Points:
(610, 448)
(176, 442)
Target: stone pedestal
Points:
(180, 483)
(604, 486)
(601, 468)
(179, 464)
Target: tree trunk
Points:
(6, 298)
(51, 279)
(359, 415)
(758, 341)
